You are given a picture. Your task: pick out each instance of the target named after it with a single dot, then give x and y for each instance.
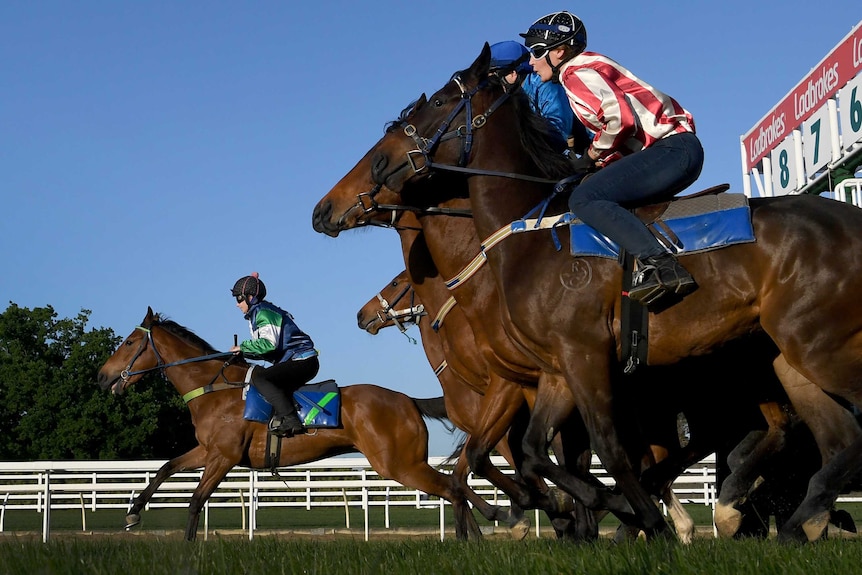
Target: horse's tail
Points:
(434, 408)
(462, 441)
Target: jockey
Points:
(644, 149)
(509, 63)
(275, 338)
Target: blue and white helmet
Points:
(510, 56)
(553, 30)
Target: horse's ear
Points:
(148, 319)
(480, 66)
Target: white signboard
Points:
(784, 167)
(817, 140)
(850, 111)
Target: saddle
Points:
(705, 201)
(708, 220)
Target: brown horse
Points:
(387, 309)
(384, 425)
(795, 284)
(380, 312)
(493, 365)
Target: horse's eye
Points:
(128, 342)
(394, 284)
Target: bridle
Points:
(421, 158)
(409, 315)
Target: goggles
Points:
(539, 50)
(240, 298)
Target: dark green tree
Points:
(52, 408)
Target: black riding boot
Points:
(658, 276)
(286, 425)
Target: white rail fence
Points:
(342, 482)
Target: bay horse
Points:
(795, 284)
(384, 425)
(385, 310)
(496, 368)
(479, 297)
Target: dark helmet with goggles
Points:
(249, 286)
(554, 30)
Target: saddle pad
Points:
(319, 405)
(701, 224)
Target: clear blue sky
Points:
(153, 152)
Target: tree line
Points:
(51, 407)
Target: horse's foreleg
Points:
(682, 521)
(216, 468)
(501, 403)
(591, 389)
(839, 440)
(513, 516)
(744, 460)
(555, 420)
(190, 460)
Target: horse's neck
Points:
(186, 377)
(466, 365)
(453, 243)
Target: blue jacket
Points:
(549, 100)
(275, 336)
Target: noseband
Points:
(410, 315)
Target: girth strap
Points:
(195, 393)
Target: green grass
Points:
(269, 518)
(277, 554)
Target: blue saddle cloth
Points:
(319, 405)
(700, 224)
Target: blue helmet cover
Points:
(504, 54)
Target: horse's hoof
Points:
(132, 520)
(813, 528)
(520, 529)
(561, 501)
(728, 520)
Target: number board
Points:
(784, 168)
(850, 111)
(817, 140)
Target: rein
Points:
(162, 366)
(425, 148)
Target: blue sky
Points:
(153, 152)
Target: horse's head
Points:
(135, 356)
(396, 304)
(440, 128)
(471, 126)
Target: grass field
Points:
(276, 554)
(316, 542)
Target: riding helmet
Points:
(510, 56)
(249, 286)
(556, 29)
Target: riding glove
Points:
(583, 165)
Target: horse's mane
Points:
(183, 333)
(534, 133)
